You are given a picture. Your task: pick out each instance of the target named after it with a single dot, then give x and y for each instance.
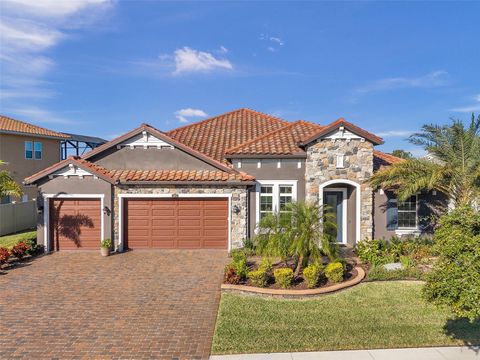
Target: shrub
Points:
(106, 243)
(4, 255)
(454, 280)
(372, 251)
(33, 247)
(265, 264)
(231, 276)
(258, 277)
(334, 272)
(406, 261)
(239, 262)
(283, 277)
(312, 274)
(20, 250)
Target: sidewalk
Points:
(434, 353)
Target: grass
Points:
(371, 315)
(379, 273)
(9, 241)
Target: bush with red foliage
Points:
(231, 276)
(20, 250)
(4, 255)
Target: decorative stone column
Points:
(321, 166)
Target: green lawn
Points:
(370, 315)
(9, 241)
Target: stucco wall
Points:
(12, 150)
(358, 167)
(239, 199)
(148, 159)
(74, 185)
(269, 170)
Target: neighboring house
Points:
(206, 185)
(27, 149)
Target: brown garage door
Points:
(176, 223)
(75, 224)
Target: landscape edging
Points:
(308, 292)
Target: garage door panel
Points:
(177, 223)
(75, 224)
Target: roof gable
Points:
(13, 126)
(215, 135)
(347, 129)
(146, 136)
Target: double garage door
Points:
(185, 223)
(176, 223)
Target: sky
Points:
(103, 67)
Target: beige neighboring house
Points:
(27, 149)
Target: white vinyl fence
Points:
(16, 217)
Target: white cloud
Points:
(395, 133)
(51, 8)
(188, 60)
(223, 50)
(433, 79)
(271, 49)
(183, 115)
(36, 114)
(470, 108)
(276, 40)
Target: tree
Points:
(402, 154)
(455, 278)
(305, 233)
(452, 165)
(8, 187)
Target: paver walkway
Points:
(135, 305)
(433, 353)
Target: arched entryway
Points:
(344, 199)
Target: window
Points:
(38, 150)
(407, 213)
(33, 150)
(28, 149)
(275, 196)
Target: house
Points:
(207, 184)
(27, 149)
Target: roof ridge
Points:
(29, 125)
(259, 137)
(225, 114)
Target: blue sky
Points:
(103, 67)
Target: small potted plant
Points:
(105, 246)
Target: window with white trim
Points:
(28, 149)
(340, 161)
(275, 197)
(266, 200)
(38, 150)
(33, 150)
(407, 213)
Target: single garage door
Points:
(176, 223)
(75, 224)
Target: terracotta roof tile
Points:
(178, 175)
(381, 159)
(213, 136)
(16, 126)
(283, 141)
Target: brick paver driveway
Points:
(140, 304)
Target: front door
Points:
(333, 201)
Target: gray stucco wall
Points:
(148, 159)
(429, 207)
(74, 185)
(269, 170)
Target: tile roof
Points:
(213, 136)
(381, 159)
(10, 125)
(283, 141)
(178, 175)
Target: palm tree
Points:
(452, 165)
(8, 187)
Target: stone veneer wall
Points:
(358, 166)
(239, 198)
